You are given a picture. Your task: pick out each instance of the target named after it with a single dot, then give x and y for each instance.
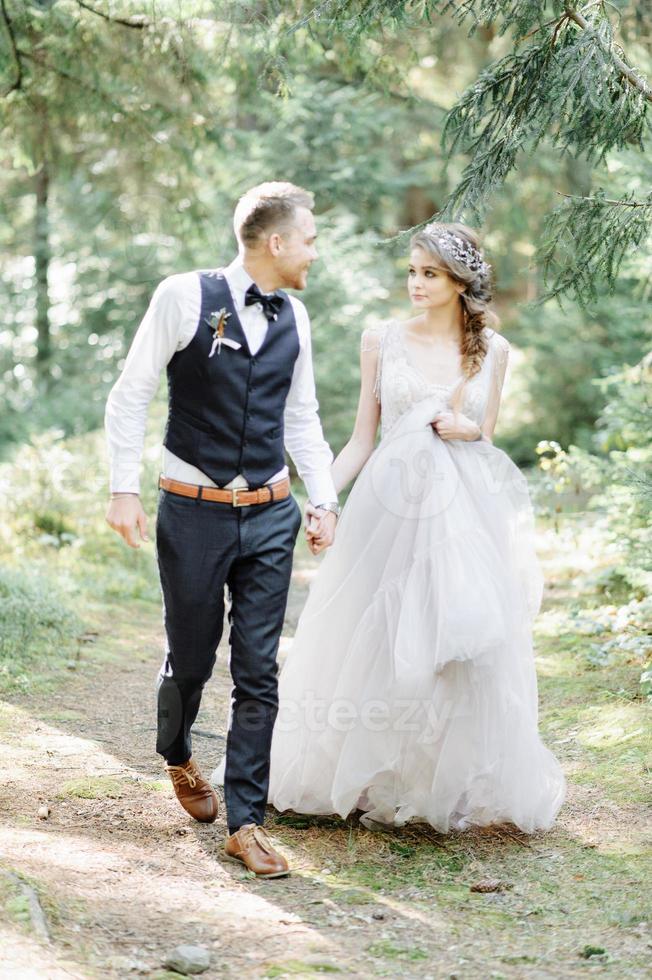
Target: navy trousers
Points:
(203, 546)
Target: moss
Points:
(92, 788)
(299, 968)
(388, 950)
(156, 785)
(16, 908)
(352, 896)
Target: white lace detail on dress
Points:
(400, 385)
(372, 340)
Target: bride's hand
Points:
(319, 527)
(449, 426)
(312, 521)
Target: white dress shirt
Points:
(168, 326)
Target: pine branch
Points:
(628, 73)
(135, 117)
(535, 30)
(565, 80)
(606, 200)
(586, 240)
(18, 81)
(563, 88)
(138, 25)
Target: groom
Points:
(237, 351)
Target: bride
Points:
(410, 690)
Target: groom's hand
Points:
(124, 515)
(320, 528)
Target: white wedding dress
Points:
(410, 690)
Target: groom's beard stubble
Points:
(296, 279)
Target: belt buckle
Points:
(234, 498)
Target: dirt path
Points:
(121, 875)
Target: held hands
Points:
(319, 528)
(449, 426)
(124, 515)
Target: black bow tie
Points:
(271, 303)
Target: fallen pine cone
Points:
(491, 885)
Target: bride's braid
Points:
(457, 250)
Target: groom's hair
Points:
(268, 207)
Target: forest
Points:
(129, 130)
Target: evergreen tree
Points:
(78, 83)
(157, 115)
(565, 80)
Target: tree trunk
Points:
(42, 256)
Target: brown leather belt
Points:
(237, 496)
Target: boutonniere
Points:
(217, 323)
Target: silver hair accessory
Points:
(459, 249)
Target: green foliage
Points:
(572, 89)
(154, 130)
(356, 17)
(547, 90)
(92, 788)
(360, 276)
(566, 81)
(618, 476)
(571, 355)
(386, 949)
(574, 243)
(159, 198)
(55, 492)
(38, 627)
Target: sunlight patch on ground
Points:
(27, 737)
(108, 879)
(24, 959)
(361, 896)
(608, 725)
(549, 665)
(606, 827)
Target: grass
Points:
(290, 968)
(62, 715)
(387, 950)
(608, 720)
(156, 785)
(92, 788)
(349, 896)
(15, 905)
(579, 894)
(567, 894)
(39, 629)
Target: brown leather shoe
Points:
(194, 793)
(252, 847)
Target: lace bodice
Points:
(400, 385)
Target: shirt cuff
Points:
(124, 482)
(320, 487)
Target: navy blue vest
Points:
(226, 411)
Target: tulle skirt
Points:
(410, 689)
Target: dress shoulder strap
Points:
(374, 338)
(501, 349)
